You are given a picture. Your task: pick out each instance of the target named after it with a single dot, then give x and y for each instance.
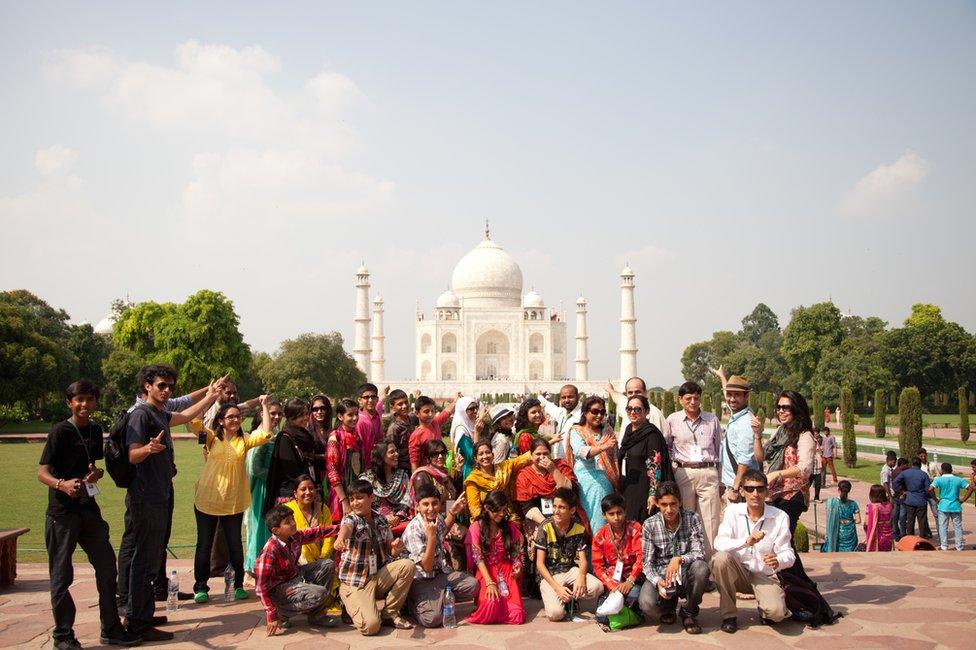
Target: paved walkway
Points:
(891, 600)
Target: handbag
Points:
(624, 619)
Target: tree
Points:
(963, 415)
(309, 364)
(818, 407)
(90, 349)
(669, 407)
(120, 370)
(34, 359)
(909, 422)
(717, 401)
(879, 413)
(847, 414)
(811, 332)
(706, 405)
(760, 322)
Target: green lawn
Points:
(25, 500)
(926, 441)
(865, 470)
(38, 426)
(937, 419)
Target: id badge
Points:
(695, 454)
(92, 489)
(372, 564)
(545, 506)
(618, 571)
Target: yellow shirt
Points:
(321, 548)
(223, 487)
(479, 484)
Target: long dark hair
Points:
(341, 407)
(478, 445)
(219, 420)
(328, 413)
(587, 403)
(376, 458)
(522, 419)
(494, 501)
(801, 415)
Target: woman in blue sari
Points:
(843, 518)
(593, 446)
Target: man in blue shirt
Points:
(915, 484)
(950, 505)
(742, 435)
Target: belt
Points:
(695, 465)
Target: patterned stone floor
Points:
(891, 600)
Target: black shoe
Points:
(729, 625)
(158, 620)
(766, 621)
(152, 634)
(67, 644)
(120, 636)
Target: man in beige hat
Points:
(743, 435)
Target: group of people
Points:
(546, 498)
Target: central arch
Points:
(492, 356)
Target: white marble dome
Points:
(488, 277)
(106, 325)
(533, 299)
(448, 299)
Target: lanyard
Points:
(623, 542)
(694, 430)
(84, 442)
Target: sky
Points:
(731, 153)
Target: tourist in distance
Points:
(828, 450)
(644, 461)
(497, 553)
(899, 514)
(914, 482)
(843, 518)
(694, 439)
(950, 505)
(877, 520)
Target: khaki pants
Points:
(699, 493)
(555, 608)
(391, 583)
(730, 576)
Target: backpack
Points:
(803, 599)
(117, 454)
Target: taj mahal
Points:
(485, 335)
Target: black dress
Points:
(648, 463)
(294, 454)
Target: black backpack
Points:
(117, 454)
(804, 600)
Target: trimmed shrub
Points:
(717, 403)
(669, 407)
(847, 415)
(818, 407)
(879, 413)
(706, 404)
(801, 538)
(963, 415)
(909, 422)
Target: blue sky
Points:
(732, 153)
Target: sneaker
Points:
(120, 636)
(201, 597)
(67, 644)
(240, 594)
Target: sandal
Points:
(690, 623)
(668, 617)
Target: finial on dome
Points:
(487, 233)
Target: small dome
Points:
(581, 300)
(448, 299)
(627, 271)
(378, 300)
(532, 299)
(106, 325)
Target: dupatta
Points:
(606, 460)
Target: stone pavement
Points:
(890, 600)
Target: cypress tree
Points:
(818, 418)
(717, 403)
(963, 415)
(706, 405)
(847, 415)
(879, 413)
(669, 407)
(770, 405)
(909, 422)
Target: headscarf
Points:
(462, 425)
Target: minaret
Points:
(360, 350)
(582, 360)
(628, 326)
(377, 361)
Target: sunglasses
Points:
(164, 385)
(784, 407)
(754, 488)
(597, 412)
(317, 409)
(635, 409)
(369, 397)
(442, 452)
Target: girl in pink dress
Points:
(495, 548)
(877, 520)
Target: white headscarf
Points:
(462, 425)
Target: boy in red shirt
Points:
(429, 428)
(618, 554)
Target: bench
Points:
(8, 554)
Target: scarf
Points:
(606, 460)
(394, 491)
(775, 449)
(530, 484)
(832, 534)
(462, 425)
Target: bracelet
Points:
(492, 584)
(58, 485)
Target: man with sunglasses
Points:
(752, 544)
(369, 426)
(148, 513)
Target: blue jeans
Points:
(899, 519)
(944, 518)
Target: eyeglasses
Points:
(754, 488)
(166, 386)
(441, 452)
(597, 412)
(368, 397)
(316, 409)
(784, 407)
(635, 409)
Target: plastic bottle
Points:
(450, 620)
(173, 593)
(229, 584)
(502, 586)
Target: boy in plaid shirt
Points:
(368, 569)
(285, 588)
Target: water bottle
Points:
(229, 584)
(502, 586)
(173, 593)
(450, 620)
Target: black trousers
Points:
(147, 523)
(127, 548)
(206, 527)
(917, 514)
(62, 534)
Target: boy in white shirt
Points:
(753, 543)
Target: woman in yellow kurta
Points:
(223, 494)
(489, 476)
(311, 511)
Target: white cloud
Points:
(882, 188)
(93, 67)
(54, 159)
